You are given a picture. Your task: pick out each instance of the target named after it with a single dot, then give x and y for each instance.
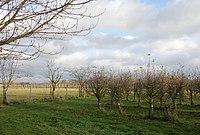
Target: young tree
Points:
(192, 84)
(127, 83)
(8, 66)
(197, 82)
(25, 24)
(172, 93)
(181, 83)
(151, 85)
(116, 89)
(80, 74)
(97, 83)
(54, 75)
(138, 84)
(162, 86)
(118, 83)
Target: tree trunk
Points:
(173, 103)
(187, 92)
(151, 110)
(139, 105)
(134, 96)
(180, 97)
(191, 98)
(52, 93)
(119, 107)
(127, 96)
(161, 101)
(170, 113)
(112, 98)
(80, 91)
(83, 92)
(135, 92)
(99, 103)
(195, 93)
(161, 95)
(5, 98)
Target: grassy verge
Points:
(81, 117)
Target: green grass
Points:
(81, 117)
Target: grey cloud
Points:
(170, 34)
(108, 41)
(177, 18)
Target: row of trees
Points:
(153, 84)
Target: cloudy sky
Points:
(127, 32)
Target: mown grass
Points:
(81, 117)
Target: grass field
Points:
(81, 117)
(17, 94)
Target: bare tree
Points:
(192, 84)
(197, 82)
(54, 75)
(127, 83)
(181, 83)
(118, 85)
(112, 85)
(116, 89)
(162, 86)
(170, 101)
(25, 24)
(8, 66)
(152, 84)
(97, 83)
(138, 84)
(80, 74)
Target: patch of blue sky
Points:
(114, 31)
(79, 41)
(155, 2)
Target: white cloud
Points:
(130, 29)
(128, 37)
(74, 59)
(177, 18)
(52, 47)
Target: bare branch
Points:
(35, 21)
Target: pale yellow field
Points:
(16, 94)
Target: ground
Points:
(81, 116)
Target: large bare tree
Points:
(25, 25)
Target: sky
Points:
(129, 30)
